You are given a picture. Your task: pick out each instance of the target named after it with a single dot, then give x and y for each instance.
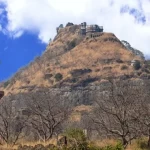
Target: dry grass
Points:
(103, 143)
(82, 108)
(52, 141)
(75, 117)
(90, 53)
(139, 144)
(77, 113)
(136, 144)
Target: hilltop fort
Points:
(85, 30)
(90, 30)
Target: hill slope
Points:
(75, 60)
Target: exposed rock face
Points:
(74, 96)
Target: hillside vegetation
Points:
(72, 59)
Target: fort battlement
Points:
(90, 29)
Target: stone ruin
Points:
(90, 30)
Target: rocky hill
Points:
(74, 64)
(92, 82)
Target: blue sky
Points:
(27, 25)
(15, 53)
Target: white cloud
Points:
(43, 16)
(18, 34)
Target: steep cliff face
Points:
(75, 66)
(72, 96)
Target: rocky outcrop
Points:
(1, 94)
(69, 24)
(73, 96)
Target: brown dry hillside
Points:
(72, 59)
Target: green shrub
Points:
(58, 76)
(119, 61)
(77, 139)
(92, 146)
(137, 65)
(110, 147)
(73, 43)
(142, 144)
(6, 83)
(119, 146)
(124, 67)
(79, 72)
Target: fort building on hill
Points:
(90, 29)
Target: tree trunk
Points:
(148, 143)
(125, 142)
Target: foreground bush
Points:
(109, 147)
(76, 139)
(73, 147)
(142, 144)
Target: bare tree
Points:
(115, 110)
(142, 113)
(11, 124)
(47, 114)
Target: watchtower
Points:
(83, 28)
